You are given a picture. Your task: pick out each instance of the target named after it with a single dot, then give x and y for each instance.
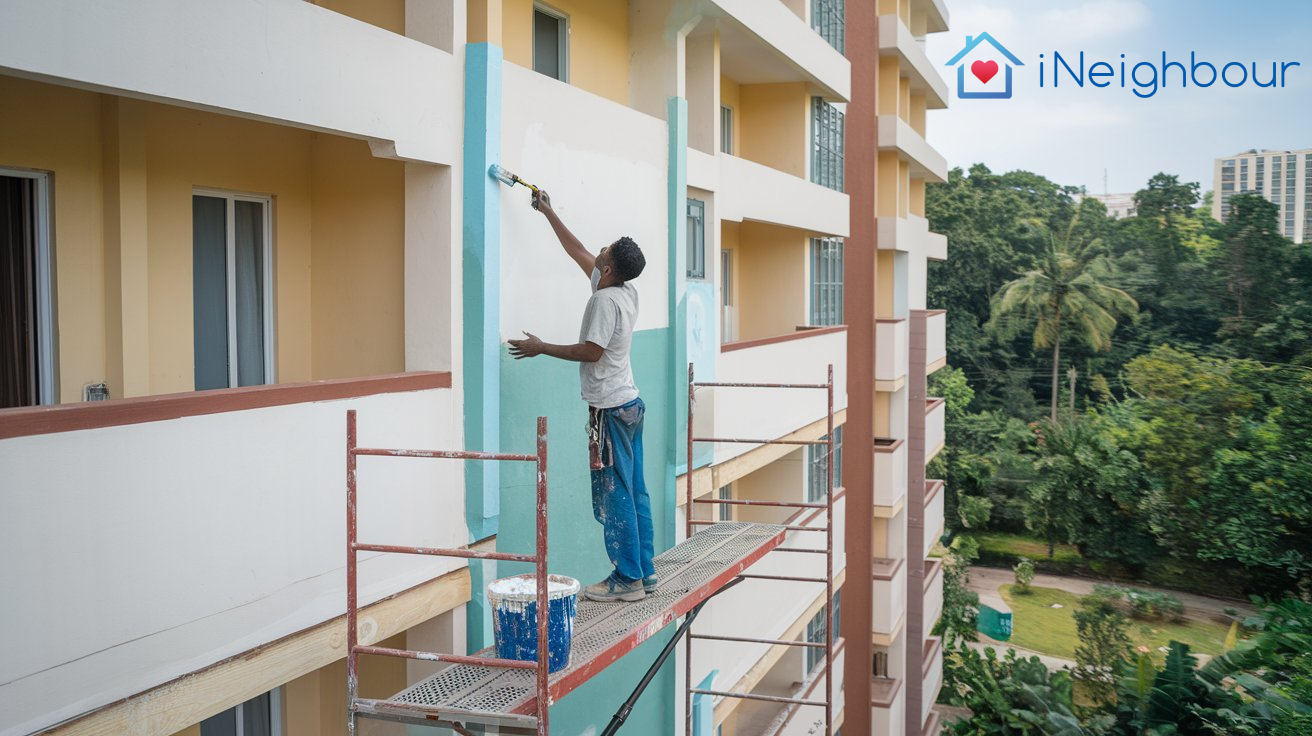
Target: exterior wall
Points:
(772, 280)
(598, 42)
(775, 120)
(174, 597)
(386, 14)
(124, 273)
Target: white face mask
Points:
(596, 278)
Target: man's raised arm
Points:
(572, 245)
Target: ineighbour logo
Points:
(1147, 77)
(985, 59)
(983, 69)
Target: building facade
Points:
(1283, 178)
(1119, 206)
(235, 221)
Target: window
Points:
(726, 510)
(696, 239)
(827, 144)
(815, 634)
(232, 290)
(550, 43)
(259, 716)
(27, 327)
(728, 317)
(826, 281)
(829, 19)
(726, 129)
(818, 468)
(880, 665)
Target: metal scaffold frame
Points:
(828, 551)
(357, 706)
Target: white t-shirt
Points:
(608, 321)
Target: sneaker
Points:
(613, 590)
(649, 584)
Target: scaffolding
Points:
(513, 694)
(827, 551)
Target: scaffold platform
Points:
(689, 573)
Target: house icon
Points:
(983, 70)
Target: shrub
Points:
(1154, 606)
(1024, 575)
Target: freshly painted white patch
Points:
(604, 166)
(148, 551)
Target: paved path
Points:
(989, 579)
(1053, 663)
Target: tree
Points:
(1008, 696)
(1024, 575)
(1252, 263)
(1065, 287)
(960, 617)
(1103, 650)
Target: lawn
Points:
(1038, 626)
(1022, 546)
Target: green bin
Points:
(994, 618)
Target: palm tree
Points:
(1065, 288)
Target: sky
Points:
(1072, 134)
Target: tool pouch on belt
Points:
(599, 449)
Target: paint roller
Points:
(510, 179)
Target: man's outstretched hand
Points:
(541, 201)
(529, 347)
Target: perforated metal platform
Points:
(689, 573)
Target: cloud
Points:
(1094, 20)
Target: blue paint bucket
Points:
(515, 618)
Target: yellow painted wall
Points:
(889, 86)
(730, 96)
(598, 42)
(882, 409)
(338, 223)
(388, 14)
(918, 113)
(774, 124)
(57, 129)
(904, 99)
(484, 22)
(781, 480)
(358, 226)
(772, 280)
(917, 204)
(885, 288)
(890, 184)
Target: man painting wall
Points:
(615, 411)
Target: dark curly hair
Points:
(627, 258)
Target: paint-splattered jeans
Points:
(619, 492)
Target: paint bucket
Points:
(515, 618)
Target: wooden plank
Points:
(175, 705)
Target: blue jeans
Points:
(619, 492)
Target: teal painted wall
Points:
(548, 387)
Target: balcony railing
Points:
(895, 134)
(934, 435)
(891, 336)
(200, 491)
(933, 514)
(933, 680)
(888, 700)
(933, 593)
(752, 191)
(890, 595)
(896, 41)
(890, 472)
(936, 339)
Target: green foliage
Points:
(1103, 650)
(960, 616)
(1024, 575)
(1008, 696)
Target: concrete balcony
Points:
(936, 14)
(936, 339)
(201, 526)
(272, 61)
(797, 720)
(765, 42)
(890, 474)
(798, 357)
(895, 134)
(934, 434)
(890, 596)
(933, 593)
(908, 234)
(752, 191)
(891, 337)
(888, 700)
(897, 42)
(934, 521)
(933, 678)
(936, 247)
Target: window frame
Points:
(827, 292)
(827, 144)
(698, 249)
(44, 267)
(726, 130)
(275, 713)
(815, 463)
(725, 511)
(230, 244)
(562, 45)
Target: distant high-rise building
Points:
(1119, 206)
(1284, 178)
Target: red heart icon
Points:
(984, 70)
